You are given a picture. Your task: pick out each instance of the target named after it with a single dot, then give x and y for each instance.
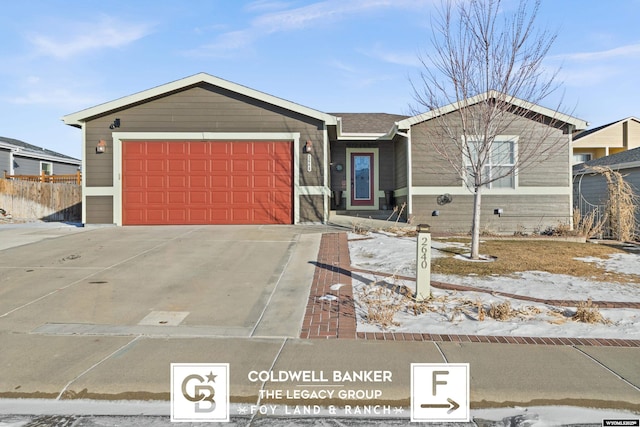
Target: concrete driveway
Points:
(240, 281)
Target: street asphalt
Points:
(99, 313)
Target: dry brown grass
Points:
(621, 205)
(587, 312)
(514, 256)
(382, 301)
(502, 311)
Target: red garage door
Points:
(207, 182)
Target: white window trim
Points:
(488, 187)
(42, 163)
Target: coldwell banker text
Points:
(321, 376)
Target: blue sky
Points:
(61, 56)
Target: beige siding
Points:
(608, 137)
(520, 213)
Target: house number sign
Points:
(423, 263)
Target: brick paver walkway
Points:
(331, 310)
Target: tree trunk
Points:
(475, 227)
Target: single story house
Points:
(605, 140)
(20, 158)
(590, 188)
(203, 150)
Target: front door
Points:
(362, 179)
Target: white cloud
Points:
(625, 52)
(395, 56)
(264, 5)
(320, 13)
(72, 40)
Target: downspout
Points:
(326, 191)
(409, 177)
(570, 131)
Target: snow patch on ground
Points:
(454, 312)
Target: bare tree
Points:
(482, 77)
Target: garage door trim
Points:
(119, 137)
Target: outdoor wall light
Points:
(307, 147)
(115, 124)
(435, 213)
(497, 211)
(101, 147)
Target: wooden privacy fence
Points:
(75, 178)
(41, 200)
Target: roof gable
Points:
(429, 115)
(76, 119)
(588, 132)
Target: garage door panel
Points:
(240, 182)
(198, 198)
(155, 148)
(155, 181)
(176, 148)
(177, 181)
(239, 197)
(240, 165)
(198, 165)
(156, 198)
(220, 197)
(177, 165)
(207, 182)
(220, 166)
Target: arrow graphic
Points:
(452, 405)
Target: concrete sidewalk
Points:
(100, 314)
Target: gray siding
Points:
(311, 208)
(26, 165)
(400, 156)
(551, 169)
(520, 213)
(203, 108)
(31, 166)
(591, 189)
(5, 160)
(547, 164)
(99, 210)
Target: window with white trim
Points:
(46, 167)
(581, 158)
(500, 161)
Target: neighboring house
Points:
(605, 140)
(20, 158)
(590, 188)
(203, 150)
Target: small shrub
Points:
(502, 311)
(588, 312)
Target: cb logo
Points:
(199, 392)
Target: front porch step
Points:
(377, 214)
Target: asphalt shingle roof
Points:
(34, 148)
(628, 156)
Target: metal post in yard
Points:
(423, 263)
